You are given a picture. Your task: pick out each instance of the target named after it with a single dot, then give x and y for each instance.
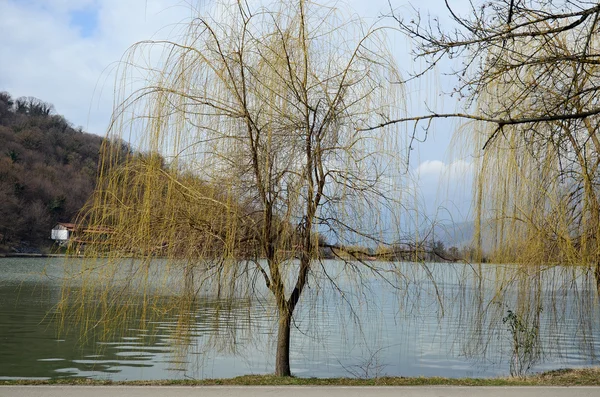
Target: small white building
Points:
(61, 233)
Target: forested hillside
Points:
(47, 172)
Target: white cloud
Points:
(430, 167)
(445, 188)
(439, 169)
(45, 55)
(48, 55)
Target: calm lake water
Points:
(445, 320)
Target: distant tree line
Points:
(426, 251)
(48, 170)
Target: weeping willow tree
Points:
(250, 159)
(539, 181)
(527, 72)
(529, 75)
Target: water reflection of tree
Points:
(31, 347)
(528, 313)
(93, 347)
(559, 301)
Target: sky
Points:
(66, 52)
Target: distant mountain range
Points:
(460, 234)
(451, 234)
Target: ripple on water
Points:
(392, 337)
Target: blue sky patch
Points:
(85, 20)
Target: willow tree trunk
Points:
(597, 276)
(282, 359)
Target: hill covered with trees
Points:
(48, 171)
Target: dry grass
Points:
(561, 377)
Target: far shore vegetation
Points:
(48, 170)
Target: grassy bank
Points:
(562, 377)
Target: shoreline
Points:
(24, 255)
(561, 377)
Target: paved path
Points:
(294, 391)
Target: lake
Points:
(449, 320)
